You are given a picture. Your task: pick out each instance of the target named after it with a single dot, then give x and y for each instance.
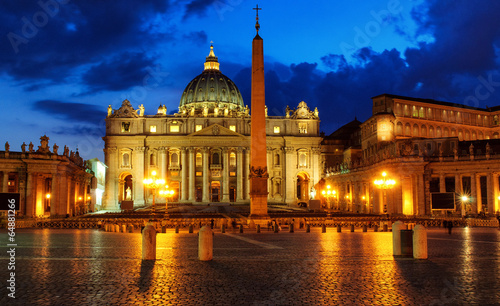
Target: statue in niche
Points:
(216, 110)
(23, 147)
(55, 148)
(110, 110)
(30, 147)
(141, 110)
(128, 194)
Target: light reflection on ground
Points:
(61, 266)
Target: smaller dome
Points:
(211, 89)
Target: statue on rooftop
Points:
(23, 147)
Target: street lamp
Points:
(153, 183)
(384, 184)
(166, 193)
(329, 194)
(465, 200)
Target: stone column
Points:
(163, 162)
(138, 192)
(110, 197)
(63, 207)
(206, 182)
(225, 175)
(270, 164)
(421, 194)
(54, 196)
(30, 196)
(5, 181)
(239, 174)
(490, 191)
(184, 170)
(473, 187)
(289, 179)
(442, 185)
(246, 194)
(192, 175)
(496, 193)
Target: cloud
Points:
(123, 71)
(198, 8)
(71, 112)
(51, 42)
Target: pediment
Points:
(215, 130)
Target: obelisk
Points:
(258, 160)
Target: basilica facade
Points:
(203, 150)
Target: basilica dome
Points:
(211, 89)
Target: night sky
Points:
(62, 63)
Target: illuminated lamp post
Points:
(47, 203)
(464, 202)
(153, 183)
(329, 195)
(166, 193)
(80, 205)
(384, 184)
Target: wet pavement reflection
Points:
(62, 266)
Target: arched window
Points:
(302, 159)
(125, 159)
(277, 159)
(216, 158)
(431, 132)
(174, 159)
(438, 132)
(423, 131)
(446, 132)
(232, 159)
(415, 130)
(152, 159)
(407, 130)
(199, 160)
(421, 112)
(399, 128)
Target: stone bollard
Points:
(375, 228)
(384, 228)
(339, 229)
(323, 228)
(419, 242)
(222, 228)
(205, 244)
(290, 229)
(308, 228)
(190, 228)
(149, 243)
(117, 228)
(164, 229)
(130, 228)
(364, 228)
(106, 227)
(352, 228)
(124, 228)
(258, 228)
(79, 224)
(396, 237)
(241, 228)
(177, 229)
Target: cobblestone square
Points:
(91, 267)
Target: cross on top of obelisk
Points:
(257, 25)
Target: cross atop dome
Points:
(257, 25)
(211, 62)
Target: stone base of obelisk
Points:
(258, 201)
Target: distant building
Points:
(203, 150)
(98, 182)
(428, 148)
(51, 182)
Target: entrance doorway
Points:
(302, 187)
(215, 191)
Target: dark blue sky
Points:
(64, 61)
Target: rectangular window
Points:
(232, 173)
(152, 128)
(199, 173)
(125, 126)
(198, 127)
(174, 129)
(303, 128)
(276, 130)
(232, 128)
